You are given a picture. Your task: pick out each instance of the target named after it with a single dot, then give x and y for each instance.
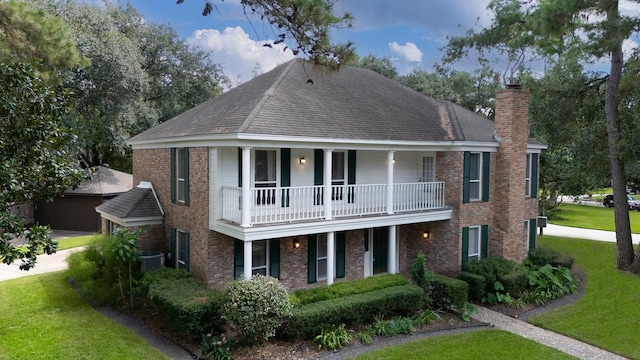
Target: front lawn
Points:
(41, 317)
(591, 217)
(76, 241)
(489, 344)
(607, 315)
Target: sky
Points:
(409, 32)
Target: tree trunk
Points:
(618, 177)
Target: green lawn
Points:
(76, 241)
(485, 344)
(592, 217)
(607, 315)
(41, 317)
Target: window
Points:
(527, 177)
(475, 176)
(428, 169)
(180, 249)
(111, 226)
(322, 257)
(475, 185)
(474, 243)
(337, 174)
(265, 176)
(259, 257)
(180, 175)
(265, 258)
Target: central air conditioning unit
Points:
(151, 260)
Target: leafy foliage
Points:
(342, 289)
(216, 348)
(257, 307)
(334, 338)
(36, 156)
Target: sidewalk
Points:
(573, 232)
(45, 264)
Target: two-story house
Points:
(313, 176)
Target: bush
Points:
(447, 291)
(334, 337)
(257, 307)
(347, 288)
(187, 303)
(477, 284)
(542, 257)
(309, 320)
(515, 282)
(419, 274)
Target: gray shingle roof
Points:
(104, 181)
(352, 103)
(138, 202)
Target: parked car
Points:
(633, 189)
(633, 203)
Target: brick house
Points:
(314, 176)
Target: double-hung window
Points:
(259, 256)
(180, 175)
(321, 259)
(475, 176)
(527, 177)
(531, 176)
(474, 243)
(266, 178)
(180, 248)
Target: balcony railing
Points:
(300, 203)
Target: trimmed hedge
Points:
(515, 282)
(542, 257)
(347, 288)
(447, 291)
(309, 320)
(477, 284)
(187, 303)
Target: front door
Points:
(380, 249)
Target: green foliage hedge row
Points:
(447, 292)
(541, 257)
(187, 303)
(477, 284)
(309, 320)
(347, 288)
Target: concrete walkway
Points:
(579, 233)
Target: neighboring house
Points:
(75, 209)
(314, 176)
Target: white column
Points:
(392, 267)
(246, 187)
(327, 184)
(248, 260)
(390, 182)
(331, 257)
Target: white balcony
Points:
(271, 205)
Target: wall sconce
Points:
(296, 243)
(394, 161)
(303, 161)
(426, 234)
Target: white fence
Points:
(289, 204)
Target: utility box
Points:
(542, 223)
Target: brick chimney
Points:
(509, 239)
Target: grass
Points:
(71, 242)
(607, 315)
(41, 317)
(591, 217)
(489, 344)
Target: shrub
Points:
(548, 283)
(309, 320)
(257, 307)
(215, 348)
(448, 291)
(347, 288)
(477, 284)
(393, 327)
(420, 274)
(542, 257)
(491, 268)
(515, 282)
(334, 337)
(187, 303)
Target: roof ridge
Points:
(454, 121)
(139, 200)
(267, 94)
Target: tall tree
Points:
(380, 65)
(594, 29)
(37, 157)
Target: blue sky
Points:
(410, 32)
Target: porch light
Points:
(303, 161)
(296, 243)
(426, 234)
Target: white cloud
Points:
(409, 51)
(238, 53)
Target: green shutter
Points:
(312, 252)
(239, 167)
(185, 256)
(366, 239)
(465, 246)
(274, 258)
(185, 165)
(534, 175)
(173, 175)
(341, 254)
(174, 254)
(466, 171)
(533, 231)
(486, 172)
(238, 259)
(484, 241)
(285, 175)
(351, 175)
